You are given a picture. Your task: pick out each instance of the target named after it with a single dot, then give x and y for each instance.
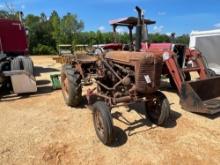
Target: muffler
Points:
(201, 96)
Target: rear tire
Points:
(71, 86)
(211, 73)
(158, 110)
(103, 123)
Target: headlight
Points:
(166, 56)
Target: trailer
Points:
(208, 43)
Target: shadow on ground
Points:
(6, 95)
(144, 121)
(38, 70)
(43, 82)
(120, 137)
(210, 116)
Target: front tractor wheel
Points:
(158, 109)
(71, 86)
(103, 124)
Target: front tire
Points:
(28, 65)
(158, 110)
(71, 86)
(103, 123)
(23, 63)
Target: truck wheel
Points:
(28, 65)
(71, 86)
(158, 109)
(16, 64)
(23, 63)
(103, 123)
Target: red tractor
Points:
(121, 78)
(16, 68)
(203, 95)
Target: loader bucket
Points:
(202, 96)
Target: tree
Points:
(40, 33)
(46, 34)
(158, 38)
(184, 39)
(70, 25)
(43, 17)
(55, 23)
(9, 15)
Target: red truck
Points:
(16, 68)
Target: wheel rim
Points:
(99, 124)
(155, 109)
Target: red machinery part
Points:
(13, 39)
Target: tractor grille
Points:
(148, 72)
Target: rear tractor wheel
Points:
(158, 109)
(71, 86)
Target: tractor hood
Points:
(127, 57)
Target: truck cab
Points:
(13, 38)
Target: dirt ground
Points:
(41, 129)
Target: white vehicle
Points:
(208, 42)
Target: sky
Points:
(179, 16)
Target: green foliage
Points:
(43, 49)
(45, 34)
(184, 39)
(9, 15)
(158, 38)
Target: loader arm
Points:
(175, 71)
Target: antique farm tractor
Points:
(121, 78)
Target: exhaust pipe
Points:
(138, 30)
